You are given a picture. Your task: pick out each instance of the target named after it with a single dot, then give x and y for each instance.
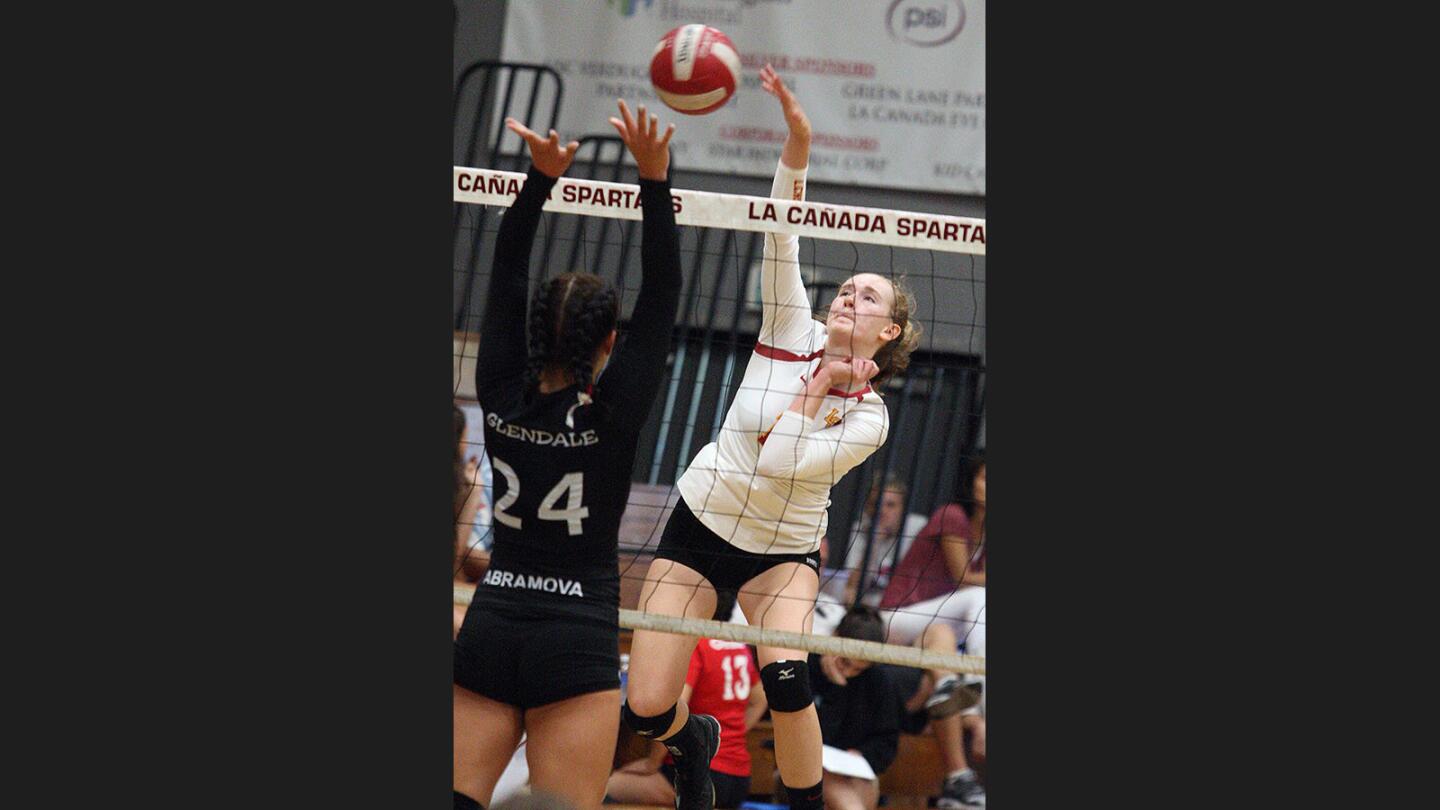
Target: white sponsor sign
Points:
(895, 89)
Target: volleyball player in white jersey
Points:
(753, 503)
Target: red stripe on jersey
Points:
(858, 396)
(786, 357)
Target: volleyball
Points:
(695, 69)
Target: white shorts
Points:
(963, 609)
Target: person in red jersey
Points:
(724, 683)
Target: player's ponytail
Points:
(570, 316)
(894, 357)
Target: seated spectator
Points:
(859, 712)
(947, 713)
(936, 600)
(469, 502)
(884, 509)
(724, 683)
(472, 514)
(942, 578)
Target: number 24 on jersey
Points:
(572, 485)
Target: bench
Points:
(912, 779)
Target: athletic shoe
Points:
(693, 788)
(961, 792)
(949, 697)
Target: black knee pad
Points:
(648, 727)
(787, 685)
(463, 802)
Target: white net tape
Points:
(738, 212)
(825, 645)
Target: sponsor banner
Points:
(895, 89)
(708, 209)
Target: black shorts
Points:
(730, 791)
(532, 662)
(689, 542)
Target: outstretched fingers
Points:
(771, 82)
(647, 124)
(565, 152)
(641, 133)
(546, 153)
(523, 131)
(627, 117)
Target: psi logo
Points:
(926, 23)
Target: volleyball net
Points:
(917, 480)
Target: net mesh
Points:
(878, 509)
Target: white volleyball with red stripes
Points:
(695, 69)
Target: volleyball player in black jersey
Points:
(538, 651)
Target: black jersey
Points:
(562, 460)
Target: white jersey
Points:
(764, 484)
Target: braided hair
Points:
(570, 316)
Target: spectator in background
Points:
(936, 600)
(947, 713)
(859, 712)
(472, 523)
(884, 509)
(469, 501)
(942, 578)
(724, 683)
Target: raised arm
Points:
(796, 152)
(785, 306)
(502, 330)
(638, 365)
